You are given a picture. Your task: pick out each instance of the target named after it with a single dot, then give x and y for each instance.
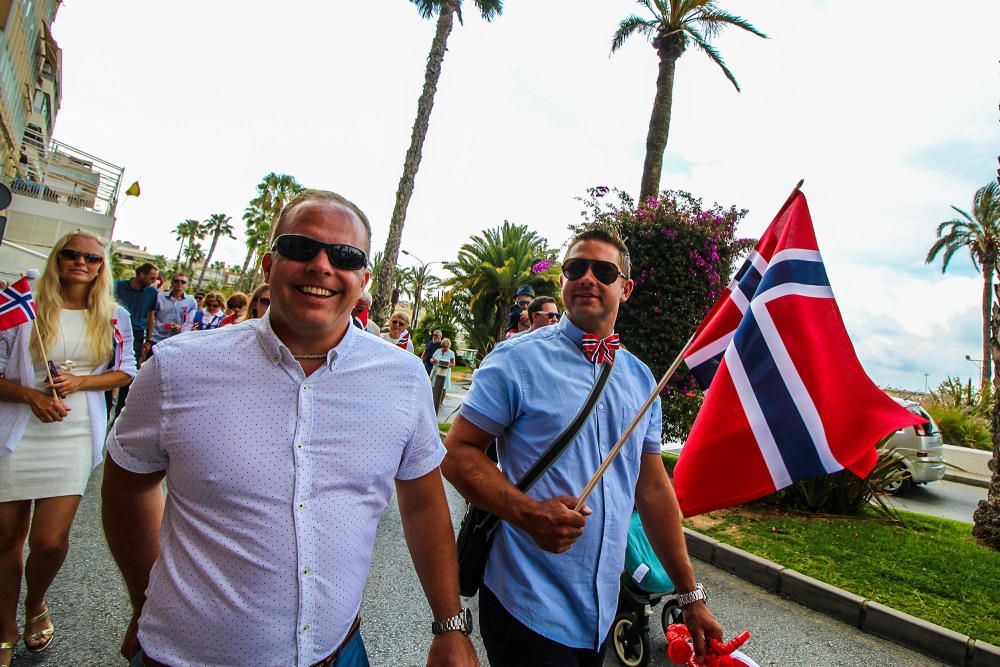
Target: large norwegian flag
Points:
(16, 305)
(786, 398)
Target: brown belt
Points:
(328, 661)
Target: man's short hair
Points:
(536, 304)
(322, 195)
(179, 274)
(599, 232)
(145, 268)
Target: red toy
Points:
(680, 648)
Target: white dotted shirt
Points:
(267, 536)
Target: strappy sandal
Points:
(48, 634)
(9, 646)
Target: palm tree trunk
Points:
(986, 518)
(177, 262)
(669, 50)
(246, 265)
(416, 305)
(211, 251)
(988, 267)
(382, 297)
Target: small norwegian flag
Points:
(16, 305)
(404, 340)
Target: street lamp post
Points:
(417, 293)
(979, 367)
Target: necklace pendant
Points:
(67, 366)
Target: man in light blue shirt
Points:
(551, 583)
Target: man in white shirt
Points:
(172, 309)
(267, 532)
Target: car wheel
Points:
(632, 647)
(902, 482)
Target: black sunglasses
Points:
(73, 255)
(551, 316)
(264, 300)
(606, 272)
(303, 248)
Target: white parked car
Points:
(918, 449)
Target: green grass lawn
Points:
(444, 427)
(928, 567)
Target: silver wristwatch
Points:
(462, 621)
(684, 599)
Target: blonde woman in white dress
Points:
(52, 434)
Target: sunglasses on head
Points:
(73, 255)
(303, 248)
(606, 272)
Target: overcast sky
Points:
(889, 114)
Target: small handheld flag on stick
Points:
(17, 307)
(786, 397)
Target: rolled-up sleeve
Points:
(123, 323)
(651, 443)
(135, 439)
(494, 400)
(424, 451)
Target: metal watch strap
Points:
(684, 599)
(462, 622)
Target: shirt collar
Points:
(277, 350)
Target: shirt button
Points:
(305, 570)
(276, 357)
(600, 406)
(305, 387)
(298, 445)
(302, 506)
(305, 628)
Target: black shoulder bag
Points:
(475, 536)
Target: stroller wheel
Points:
(632, 645)
(671, 614)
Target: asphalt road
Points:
(90, 610)
(948, 500)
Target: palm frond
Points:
(427, 8)
(712, 20)
(628, 27)
(489, 9)
(712, 53)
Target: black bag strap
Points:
(556, 449)
(489, 522)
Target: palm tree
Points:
(980, 234)
(273, 192)
(674, 23)
(446, 11)
(218, 224)
(421, 279)
(187, 231)
(193, 253)
(487, 273)
(257, 231)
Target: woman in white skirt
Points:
(52, 434)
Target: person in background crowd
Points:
(542, 312)
(444, 361)
(159, 282)
(265, 542)
(361, 315)
(52, 432)
(433, 345)
(199, 298)
(552, 579)
(208, 317)
(236, 304)
(522, 299)
(138, 296)
(398, 335)
(172, 309)
(260, 300)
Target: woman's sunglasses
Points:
(606, 272)
(264, 301)
(398, 323)
(303, 248)
(73, 255)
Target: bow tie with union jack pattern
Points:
(601, 350)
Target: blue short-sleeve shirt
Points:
(526, 392)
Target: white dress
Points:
(55, 459)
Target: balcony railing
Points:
(75, 179)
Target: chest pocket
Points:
(634, 444)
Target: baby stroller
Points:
(644, 584)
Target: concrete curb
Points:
(874, 618)
(965, 478)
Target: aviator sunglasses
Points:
(303, 249)
(73, 255)
(606, 272)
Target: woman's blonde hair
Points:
(251, 311)
(214, 296)
(403, 315)
(47, 293)
(446, 342)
